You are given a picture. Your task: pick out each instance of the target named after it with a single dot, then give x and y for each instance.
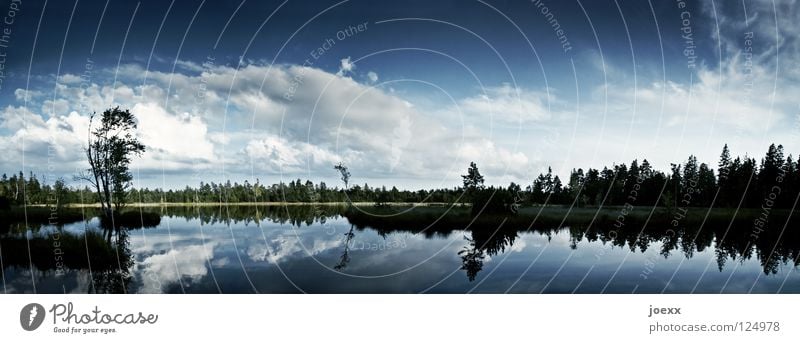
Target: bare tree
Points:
(345, 173)
(345, 178)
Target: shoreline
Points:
(265, 203)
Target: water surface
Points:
(314, 250)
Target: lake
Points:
(315, 249)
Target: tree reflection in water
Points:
(108, 258)
(731, 235)
(481, 245)
(345, 258)
(107, 263)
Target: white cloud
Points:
(176, 264)
(23, 95)
(69, 79)
(278, 117)
(519, 245)
(276, 154)
(288, 118)
(346, 66)
(51, 143)
(492, 159)
(401, 137)
(507, 104)
(774, 24)
(372, 76)
(15, 118)
(55, 107)
(173, 137)
(726, 100)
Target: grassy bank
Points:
(247, 204)
(62, 250)
(36, 216)
(45, 215)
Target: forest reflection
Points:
(771, 248)
(110, 261)
(106, 258)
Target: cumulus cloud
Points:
(276, 154)
(401, 137)
(26, 95)
(507, 104)
(346, 66)
(168, 268)
(725, 100)
(372, 76)
(492, 158)
(52, 143)
(176, 137)
(284, 245)
(69, 79)
(275, 118)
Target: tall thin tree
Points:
(109, 150)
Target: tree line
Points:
(743, 182)
(737, 182)
(740, 181)
(20, 189)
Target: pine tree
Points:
(771, 168)
(724, 166)
(706, 185)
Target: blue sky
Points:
(405, 93)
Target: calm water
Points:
(213, 251)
